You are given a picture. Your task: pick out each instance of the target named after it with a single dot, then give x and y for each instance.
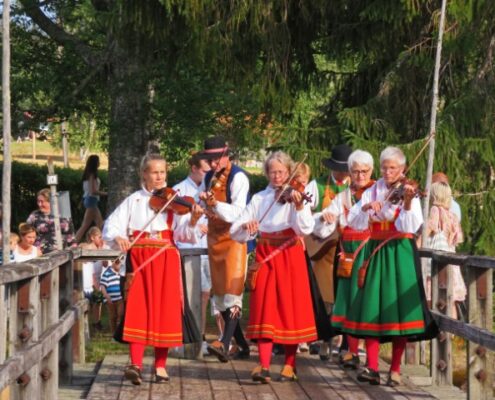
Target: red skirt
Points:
(154, 305)
(281, 308)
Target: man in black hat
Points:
(323, 191)
(225, 190)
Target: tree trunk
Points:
(128, 120)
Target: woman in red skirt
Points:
(280, 304)
(154, 308)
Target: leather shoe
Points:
(133, 373)
(216, 349)
(260, 374)
(369, 375)
(288, 374)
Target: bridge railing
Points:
(42, 312)
(478, 328)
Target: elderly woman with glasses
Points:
(388, 303)
(351, 242)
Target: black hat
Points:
(215, 147)
(338, 159)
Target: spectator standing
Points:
(91, 275)
(110, 287)
(91, 197)
(26, 250)
(44, 223)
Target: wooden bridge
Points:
(42, 344)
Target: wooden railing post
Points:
(65, 356)
(480, 374)
(79, 329)
(50, 300)
(441, 348)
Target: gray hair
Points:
(281, 157)
(393, 153)
(360, 157)
(149, 157)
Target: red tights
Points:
(137, 351)
(373, 349)
(265, 347)
(353, 343)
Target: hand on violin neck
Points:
(196, 213)
(209, 199)
(252, 227)
(297, 199)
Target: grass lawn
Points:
(23, 152)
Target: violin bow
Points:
(284, 187)
(141, 232)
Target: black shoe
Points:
(216, 349)
(350, 362)
(314, 349)
(369, 375)
(243, 354)
(261, 375)
(161, 378)
(133, 373)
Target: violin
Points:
(396, 193)
(285, 196)
(180, 205)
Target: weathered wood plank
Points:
(108, 381)
(172, 389)
(128, 391)
(336, 378)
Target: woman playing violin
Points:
(154, 300)
(351, 242)
(388, 300)
(281, 302)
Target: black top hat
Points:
(338, 159)
(215, 147)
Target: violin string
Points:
(141, 232)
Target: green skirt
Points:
(392, 302)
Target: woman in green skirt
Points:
(351, 242)
(388, 299)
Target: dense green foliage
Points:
(297, 75)
(28, 179)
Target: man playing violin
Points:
(388, 296)
(323, 190)
(190, 187)
(225, 191)
(154, 309)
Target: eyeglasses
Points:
(360, 171)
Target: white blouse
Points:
(408, 221)
(134, 213)
(239, 189)
(280, 217)
(337, 207)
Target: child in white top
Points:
(25, 249)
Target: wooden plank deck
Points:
(209, 379)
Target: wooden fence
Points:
(42, 329)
